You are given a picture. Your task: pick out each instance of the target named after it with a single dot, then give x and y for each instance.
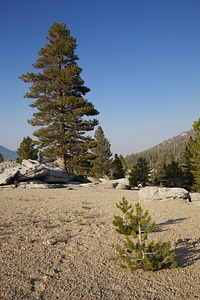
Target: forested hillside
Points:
(163, 152)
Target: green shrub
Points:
(135, 252)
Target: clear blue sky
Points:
(140, 58)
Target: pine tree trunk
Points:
(63, 166)
(140, 237)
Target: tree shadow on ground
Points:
(187, 252)
(160, 227)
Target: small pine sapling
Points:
(136, 253)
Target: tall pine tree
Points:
(171, 174)
(63, 115)
(117, 170)
(140, 172)
(194, 148)
(102, 152)
(186, 166)
(27, 150)
(123, 161)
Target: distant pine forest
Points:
(163, 152)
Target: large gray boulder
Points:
(122, 183)
(163, 193)
(195, 198)
(22, 173)
(8, 165)
(30, 170)
(49, 175)
(7, 176)
(30, 163)
(56, 176)
(122, 186)
(34, 172)
(119, 184)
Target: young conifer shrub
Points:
(136, 252)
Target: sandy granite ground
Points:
(60, 244)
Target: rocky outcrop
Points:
(164, 193)
(56, 176)
(7, 176)
(30, 170)
(26, 173)
(8, 165)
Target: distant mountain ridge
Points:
(174, 145)
(160, 153)
(176, 140)
(8, 154)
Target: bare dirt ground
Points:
(60, 244)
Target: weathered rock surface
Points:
(195, 198)
(7, 176)
(56, 175)
(119, 184)
(164, 193)
(29, 163)
(122, 186)
(29, 170)
(8, 165)
(36, 171)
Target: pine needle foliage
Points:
(194, 146)
(116, 168)
(27, 150)
(102, 152)
(136, 252)
(62, 116)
